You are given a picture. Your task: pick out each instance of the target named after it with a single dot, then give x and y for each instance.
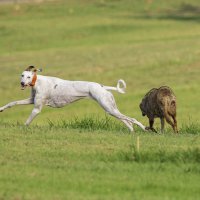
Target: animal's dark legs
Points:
(169, 121)
(162, 121)
(175, 124)
(151, 122)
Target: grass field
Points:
(148, 44)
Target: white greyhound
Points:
(55, 92)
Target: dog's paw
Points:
(1, 109)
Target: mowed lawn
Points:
(146, 43)
(58, 163)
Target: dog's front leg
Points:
(39, 102)
(37, 109)
(20, 102)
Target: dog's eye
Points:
(28, 77)
(22, 75)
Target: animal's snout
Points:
(22, 84)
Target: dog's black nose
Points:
(22, 83)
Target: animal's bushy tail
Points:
(121, 86)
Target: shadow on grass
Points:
(162, 156)
(186, 12)
(187, 156)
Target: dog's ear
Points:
(33, 68)
(37, 70)
(29, 68)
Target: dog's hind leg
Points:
(128, 124)
(134, 121)
(113, 110)
(127, 120)
(107, 102)
(115, 113)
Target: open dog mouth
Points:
(23, 86)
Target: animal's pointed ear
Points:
(37, 70)
(29, 68)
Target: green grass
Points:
(103, 41)
(55, 162)
(78, 152)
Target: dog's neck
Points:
(34, 80)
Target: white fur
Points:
(55, 92)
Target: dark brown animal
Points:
(161, 103)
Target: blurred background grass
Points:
(147, 43)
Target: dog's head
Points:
(29, 77)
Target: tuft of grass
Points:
(89, 123)
(191, 128)
(95, 122)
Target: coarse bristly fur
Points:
(160, 103)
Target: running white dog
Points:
(55, 92)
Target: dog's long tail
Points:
(121, 86)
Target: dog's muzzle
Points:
(23, 85)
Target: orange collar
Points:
(33, 80)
